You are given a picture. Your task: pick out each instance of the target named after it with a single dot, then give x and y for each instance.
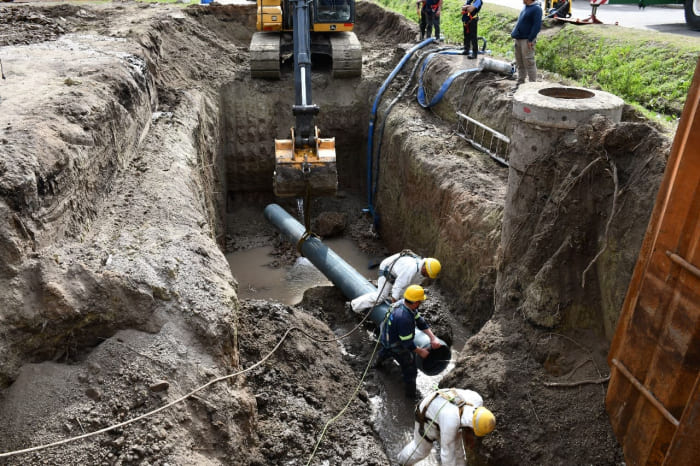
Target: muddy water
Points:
(392, 412)
(258, 280)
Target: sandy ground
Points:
(117, 297)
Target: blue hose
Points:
(373, 115)
(446, 85)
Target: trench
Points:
(260, 277)
(152, 282)
(263, 273)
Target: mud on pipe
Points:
(349, 281)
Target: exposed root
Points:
(575, 384)
(607, 225)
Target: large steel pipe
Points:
(350, 282)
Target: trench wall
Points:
(110, 203)
(441, 198)
(256, 112)
(568, 263)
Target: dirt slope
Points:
(116, 296)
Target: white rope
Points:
(150, 413)
(182, 398)
(364, 374)
(202, 387)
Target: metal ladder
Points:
(482, 137)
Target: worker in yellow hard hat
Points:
(441, 417)
(402, 269)
(396, 273)
(397, 334)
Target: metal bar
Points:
(684, 263)
(644, 391)
(349, 281)
(481, 125)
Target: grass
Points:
(651, 71)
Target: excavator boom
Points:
(304, 164)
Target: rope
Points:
(347, 405)
(226, 377)
(362, 379)
(184, 397)
(151, 413)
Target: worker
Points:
(440, 417)
(420, 11)
(470, 21)
(397, 333)
(396, 273)
(525, 35)
(432, 16)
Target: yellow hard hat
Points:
(432, 266)
(483, 421)
(414, 293)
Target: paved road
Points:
(670, 19)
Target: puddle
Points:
(257, 280)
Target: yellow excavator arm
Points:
(304, 164)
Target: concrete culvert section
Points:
(136, 153)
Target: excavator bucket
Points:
(306, 170)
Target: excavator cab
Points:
(332, 12)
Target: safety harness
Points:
(387, 322)
(451, 396)
(467, 17)
(389, 274)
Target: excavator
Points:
(304, 164)
(330, 24)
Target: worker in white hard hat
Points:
(396, 273)
(448, 416)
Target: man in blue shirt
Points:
(525, 35)
(470, 19)
(397, 333)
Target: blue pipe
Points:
(373, 115)
(350, 282)
(446, 85)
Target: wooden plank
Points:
(658, 336)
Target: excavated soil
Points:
(135, 151)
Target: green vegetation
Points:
(649, 70)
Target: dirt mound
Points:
(304, 385)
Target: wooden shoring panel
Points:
(655, 353)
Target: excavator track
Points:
(346, 54)
(265, 47)
(265, 55)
